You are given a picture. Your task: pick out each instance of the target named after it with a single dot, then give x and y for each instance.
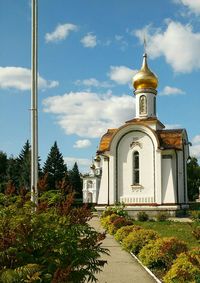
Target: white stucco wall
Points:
(103, 191)
(150, 105)
(144, 192)
(169, 188)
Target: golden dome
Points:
(145, 78)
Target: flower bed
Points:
(168, 257)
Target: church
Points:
(140, 164)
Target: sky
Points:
(88, 53)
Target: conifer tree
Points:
(3, 169)
(76, 181)
(55, 167)
(24, 163)
(13, 171)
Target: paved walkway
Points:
(121, 267)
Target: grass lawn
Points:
(182, 231)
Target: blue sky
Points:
(88, 52)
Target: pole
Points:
(34, 104)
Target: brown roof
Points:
(170, 139)
(105, 140)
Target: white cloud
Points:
(121, 74)
(168, 90)
(92, 82)
(83, 163)
(195, 151)
(196, 139)
(20, 78)
(121, 41)
(177, 43)
(89, 40)
(88, 114)
(82, 144)
(192, 5)
(195, 148)
(60, 33)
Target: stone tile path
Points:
(121, 267)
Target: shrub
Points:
(185, 268)
(117, 209)
(196, 233)
(118, 223)
(47, 246)
(124, 231)
(195, 214)
(142, 216)
(162, 216)
(137, 239)
(108, 211)
(161, 252)
(106, 221)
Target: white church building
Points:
(140, 164)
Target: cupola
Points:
(145, 78)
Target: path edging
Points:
(146, 268)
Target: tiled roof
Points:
(105, 140)
(169, 139)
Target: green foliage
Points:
(193, 178)
(24, 163)
(196, 233)
(106, 221)
(186, 268)
(135, 241)
(162, 216)
(108, 211)
(27, 273)
(161, 252)
(117, 209)
(142, 216)
(195, 214)
(3, 166)
(124, 231)
(181, 230)
(119, 222)
(75, 180)
(56, 241)
(55, 167)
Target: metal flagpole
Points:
(34, 104)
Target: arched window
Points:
(143, 104)
(136, 168)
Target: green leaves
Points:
(54, 244)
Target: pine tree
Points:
(76, 181)
(55, 167)
(3, 169)
(24, 161)
(13, 171)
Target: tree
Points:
(55, 167)
(24, 161)
(193, 175)
(76, 181)
(3, 169)
(13, 171)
